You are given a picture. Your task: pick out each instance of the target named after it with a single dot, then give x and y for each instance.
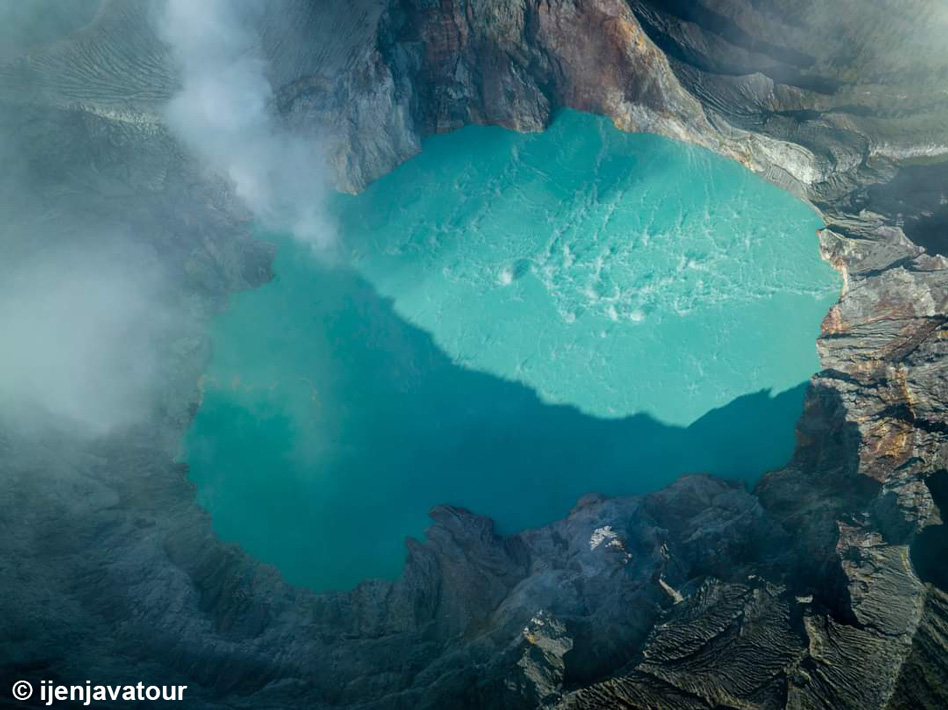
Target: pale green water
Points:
(529, 318)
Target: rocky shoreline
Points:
(812, 591)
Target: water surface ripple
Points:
(518, 320)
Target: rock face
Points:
(820, 589)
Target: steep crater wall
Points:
(649, 591)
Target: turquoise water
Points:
(513, 321)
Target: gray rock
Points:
(810, 592)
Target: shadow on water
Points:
(325, 475)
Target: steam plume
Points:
(80, 332)
(223, 113)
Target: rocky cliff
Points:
(822, 588)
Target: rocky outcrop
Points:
(476, 619)
(817, 590)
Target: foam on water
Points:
(526, 319)
(618, 273)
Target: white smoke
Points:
(81, 327)
(224, 114)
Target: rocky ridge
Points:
(817, 590)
